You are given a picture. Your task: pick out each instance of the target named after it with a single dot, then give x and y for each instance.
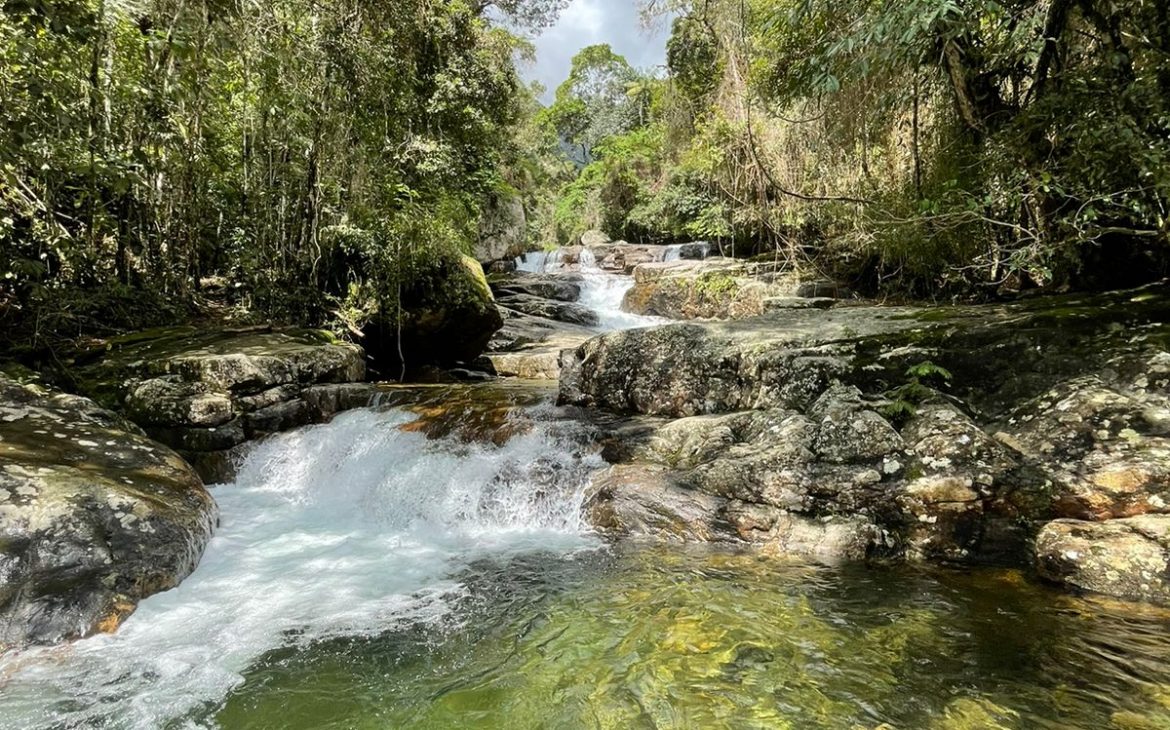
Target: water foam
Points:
(346, 529)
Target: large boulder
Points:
(503, 229)
(837, 481)
(94, 517)
(448, 315)
(690, 369)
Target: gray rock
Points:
(594, 238)
(1128, 558)
(169, 401)
(94, 517)
(563, 288)
(1100, 449)
(503, 229)
(549, 309)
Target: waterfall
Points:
(352, 528)
(674, 252)
(601, 291)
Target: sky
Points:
(586, 22)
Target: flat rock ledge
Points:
(94, 517)
(207, 393)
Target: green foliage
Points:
(157, 145)
(926, 146)
(923, 381)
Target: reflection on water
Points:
(672, 638)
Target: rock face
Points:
(503, 229)
(94, 516)
(1128, 558)
(448, 315)
(834, 481)
(813, 433)
(205, 393)
(717, 288)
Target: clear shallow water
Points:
(426, 566)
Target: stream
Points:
(424, 563)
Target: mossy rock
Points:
(448, 315)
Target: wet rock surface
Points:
(1127, 558)
(94, 517)
(206, 393)
(541, 318)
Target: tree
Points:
(592, 103)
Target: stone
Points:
(503, 229)
(169, 401)
(594, 238)
(277, 418)
(557, 311)
(829, 539)
(448, 316)
(847, 432)
(330, 399)
(1100, 449)
(689, 369)
(239, 363)
(94, 517)
(634, 501)
(1127, 558)
(563, 288)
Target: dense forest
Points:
(915, 146)
(304, 161)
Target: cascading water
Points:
(698, 250)
(353, 528)
(601, 291)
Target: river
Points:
(429, 568)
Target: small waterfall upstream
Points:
(352, 528)
(601, 291)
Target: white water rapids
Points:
(601, 291)
(347, 529)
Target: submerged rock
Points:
(94, 517)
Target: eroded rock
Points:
(205, 393)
